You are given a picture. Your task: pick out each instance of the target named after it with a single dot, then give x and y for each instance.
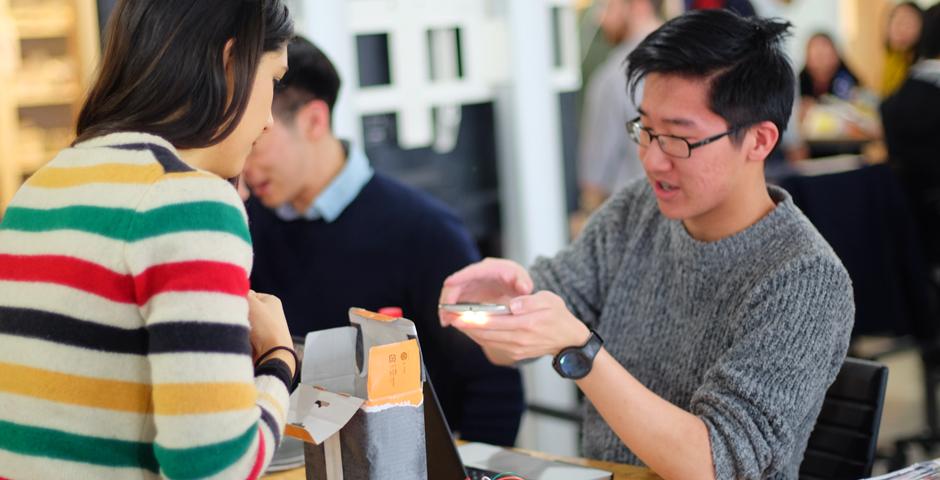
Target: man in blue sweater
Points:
(329, 233)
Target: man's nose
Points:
(654, 158)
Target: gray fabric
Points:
(746, 332)
(607, 158)
(377, 446)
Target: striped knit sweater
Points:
(124, 348)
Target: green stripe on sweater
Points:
(44, 442)
(113, 222)
(205, 461)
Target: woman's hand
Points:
(269, 327)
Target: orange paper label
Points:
(379, 317)
(394, 372)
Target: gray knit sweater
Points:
(746, 332)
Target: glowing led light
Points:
(476, 318)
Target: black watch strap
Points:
(577, 361)
(593, 345)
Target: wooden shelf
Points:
(32, 29)
(37, 20)
(48, 97)
(66, 33)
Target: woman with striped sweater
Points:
(130, 344)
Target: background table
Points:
(621, 472)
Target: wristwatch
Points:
(576, 362)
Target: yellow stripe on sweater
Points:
(74, 389)
(169, 399)
(55, 177)
(201, 398)
(274, 404)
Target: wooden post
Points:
(863, 24)
(9, 59)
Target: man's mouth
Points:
(668, 187)
(260, 188)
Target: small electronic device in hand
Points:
(488, 308)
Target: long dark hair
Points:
(163, 69)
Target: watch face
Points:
(574, 364)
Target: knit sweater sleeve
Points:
(582, 271)
(791, 338)
(189, 253)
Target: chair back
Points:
(842, 445)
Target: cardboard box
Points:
(360, 407)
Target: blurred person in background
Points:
(903, 32)
(824, 77)
(130, 343)
(825, 73)
(330, 233)
(607, 159)
(911, 119)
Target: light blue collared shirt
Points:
(338, 194)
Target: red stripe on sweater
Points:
(69, 271)
(259, 460)
(193, 276)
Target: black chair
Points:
(842, 445)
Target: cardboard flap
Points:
(330, 361)
(317, 414)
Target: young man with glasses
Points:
(700, 312)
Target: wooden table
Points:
(621, 472)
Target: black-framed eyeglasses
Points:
(673, 146)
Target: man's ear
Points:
(763, 139)
(313, 120)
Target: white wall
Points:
(807, 17)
